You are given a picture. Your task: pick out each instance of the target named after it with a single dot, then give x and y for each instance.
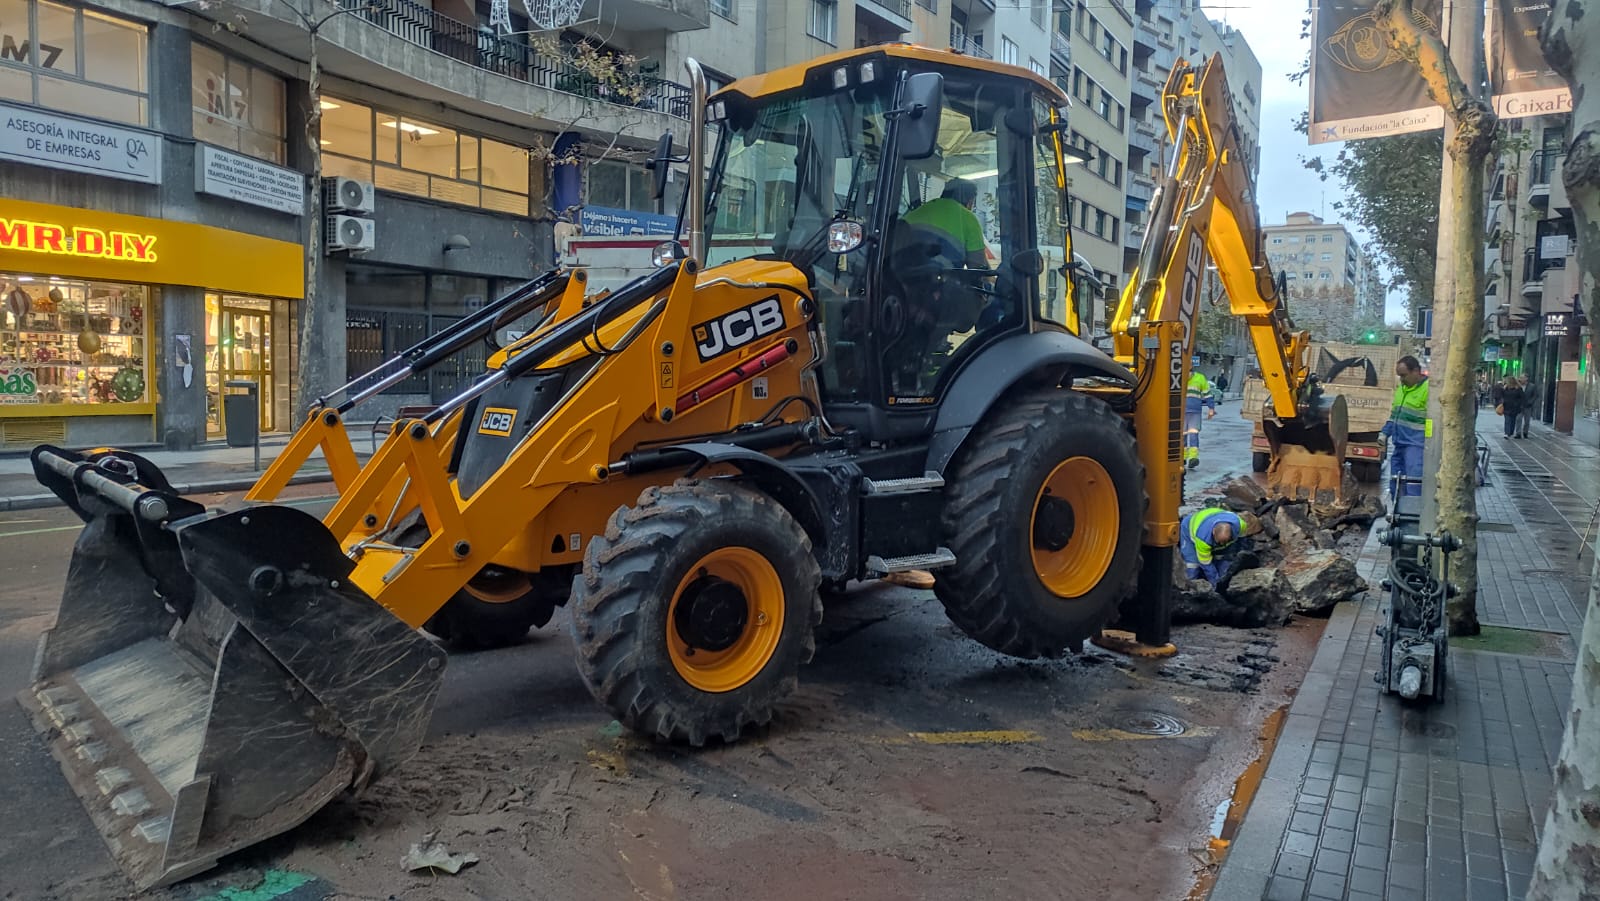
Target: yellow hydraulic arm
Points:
(1203, 207)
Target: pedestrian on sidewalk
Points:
(1222, 383)
(1407, 425)
(1527, 407)
(1197, 395)
(1512, 398)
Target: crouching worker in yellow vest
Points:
(1208, 539)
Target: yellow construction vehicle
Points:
(857, 363)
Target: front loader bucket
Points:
(213, 678)
(1308, 451)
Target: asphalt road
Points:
(912, 763)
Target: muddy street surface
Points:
(912, 763)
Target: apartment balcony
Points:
(1545, 164)
(1132, 236)
(1532, 275)
(1060, 49)
(965, 44)
(1142, 138)
(412, 50)
(656, 15)
(1140, 191)
(893, 14)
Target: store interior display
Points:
(82, 342)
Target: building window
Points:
(1325, 275)
(723, 8)
(1277, 240)
(74, 60)
(1008, 51)
(1327, 239)
(929, 5)
(42, 321)
(1036, 12)
(1294, 239)
(1326, 257)
(824, 22)
(1036, 66)
(623, 186)
(425, 159)
(237, 106)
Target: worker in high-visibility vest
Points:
(1407, 425)
(1208, 538)
(1198, 395)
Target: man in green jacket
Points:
(1407, 428)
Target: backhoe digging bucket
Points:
(213, 678)
(1308, 451)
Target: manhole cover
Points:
(1148, 722)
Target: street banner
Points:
(1522, 82)
(1361, 87)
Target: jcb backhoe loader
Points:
(859, 364)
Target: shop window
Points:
(41, 62)
(69, 343)
(237, 106)
(426, 159)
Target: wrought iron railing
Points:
(481, 47)
(902, 8)
(967, 45)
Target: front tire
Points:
(1260, 462)
(498, 607)
(695, 610)
(1046, 518)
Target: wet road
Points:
(912, 763)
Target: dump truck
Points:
(1363, 374)
(809, 386)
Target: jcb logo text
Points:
(734, 330)
(497, 421)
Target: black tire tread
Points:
(614, 582)
(972, 590)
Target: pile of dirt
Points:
(1301, 562)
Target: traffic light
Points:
(1371, 337)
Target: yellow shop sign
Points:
(77, 241)
(45, 239)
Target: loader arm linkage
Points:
(1204, 207)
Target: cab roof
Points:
(789, 78)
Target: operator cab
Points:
(923, 201)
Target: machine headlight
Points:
(844, 236)
(666, 252)
(869, 71)
(841, 78)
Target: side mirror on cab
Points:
(659, 163)
(922, 102)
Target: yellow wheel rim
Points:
(725, 618)
(498, 589)
(1073, 529)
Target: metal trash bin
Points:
(241, 412)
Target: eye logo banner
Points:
(1361, 86)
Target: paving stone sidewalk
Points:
(1367, 797)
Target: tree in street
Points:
(1568, 865)
(1472, 126)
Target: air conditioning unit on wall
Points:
(351, 233)
(346, 195)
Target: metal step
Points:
(884, 566)
(930, 481)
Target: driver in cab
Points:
(951, 220)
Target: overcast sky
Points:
(1273, 29)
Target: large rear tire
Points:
(1046, 519)
(498, 607)
(1260, 462)
(695, 610)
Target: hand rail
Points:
(418, 24)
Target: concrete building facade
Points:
(1330, 279)
(1535, 323)
(152, 246)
